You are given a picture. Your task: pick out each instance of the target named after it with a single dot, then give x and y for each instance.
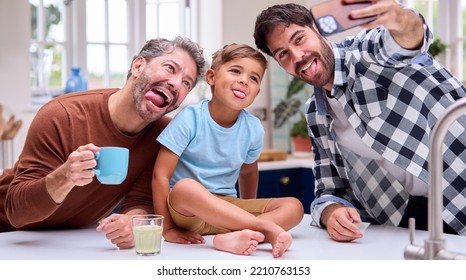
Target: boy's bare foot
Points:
(242, 242)
(282, 243)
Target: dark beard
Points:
(328, 62)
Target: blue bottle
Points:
(76, 82)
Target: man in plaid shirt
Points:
(377, 97)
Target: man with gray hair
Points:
(52, 184)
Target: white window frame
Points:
(42, 90)
(450, 31)
(75, 45)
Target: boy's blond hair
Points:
(234, 51)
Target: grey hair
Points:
(159, 46)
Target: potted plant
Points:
(300, 142)
(286, 109)
(437, 47)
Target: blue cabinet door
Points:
(295, 182)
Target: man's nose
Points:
(175, 82)
(296, 54)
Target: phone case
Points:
(332, 17)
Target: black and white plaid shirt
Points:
(392, 98)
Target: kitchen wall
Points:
(15, 85)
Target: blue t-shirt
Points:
(209, 153)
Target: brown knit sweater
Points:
(59, 128)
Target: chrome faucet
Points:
(434, 247)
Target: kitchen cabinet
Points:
(295, 182)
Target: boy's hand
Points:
(179, 235)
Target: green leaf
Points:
(295, 86)
(284, 110)
(437, 47)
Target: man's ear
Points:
(138, 66)
(210, 77)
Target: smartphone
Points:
(332, 16)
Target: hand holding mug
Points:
(78, 167)
(75, 171)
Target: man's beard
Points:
(141, 86)
(327, 59)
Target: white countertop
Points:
(290, 162)
(310, 243)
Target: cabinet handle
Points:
(285, 180)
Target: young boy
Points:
(206, 149)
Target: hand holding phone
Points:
(332, 16)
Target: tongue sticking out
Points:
(311, 70)
(155, 98)
(239, 94)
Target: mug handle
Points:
(97, 156)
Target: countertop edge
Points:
(291, 162)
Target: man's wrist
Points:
(58, 185)
(327, 212)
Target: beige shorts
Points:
(195, 224)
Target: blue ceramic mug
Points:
(112, 165)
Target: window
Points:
(98, 36)
(47, 48)
(171, 13)
(451, 30)
(107, 42)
